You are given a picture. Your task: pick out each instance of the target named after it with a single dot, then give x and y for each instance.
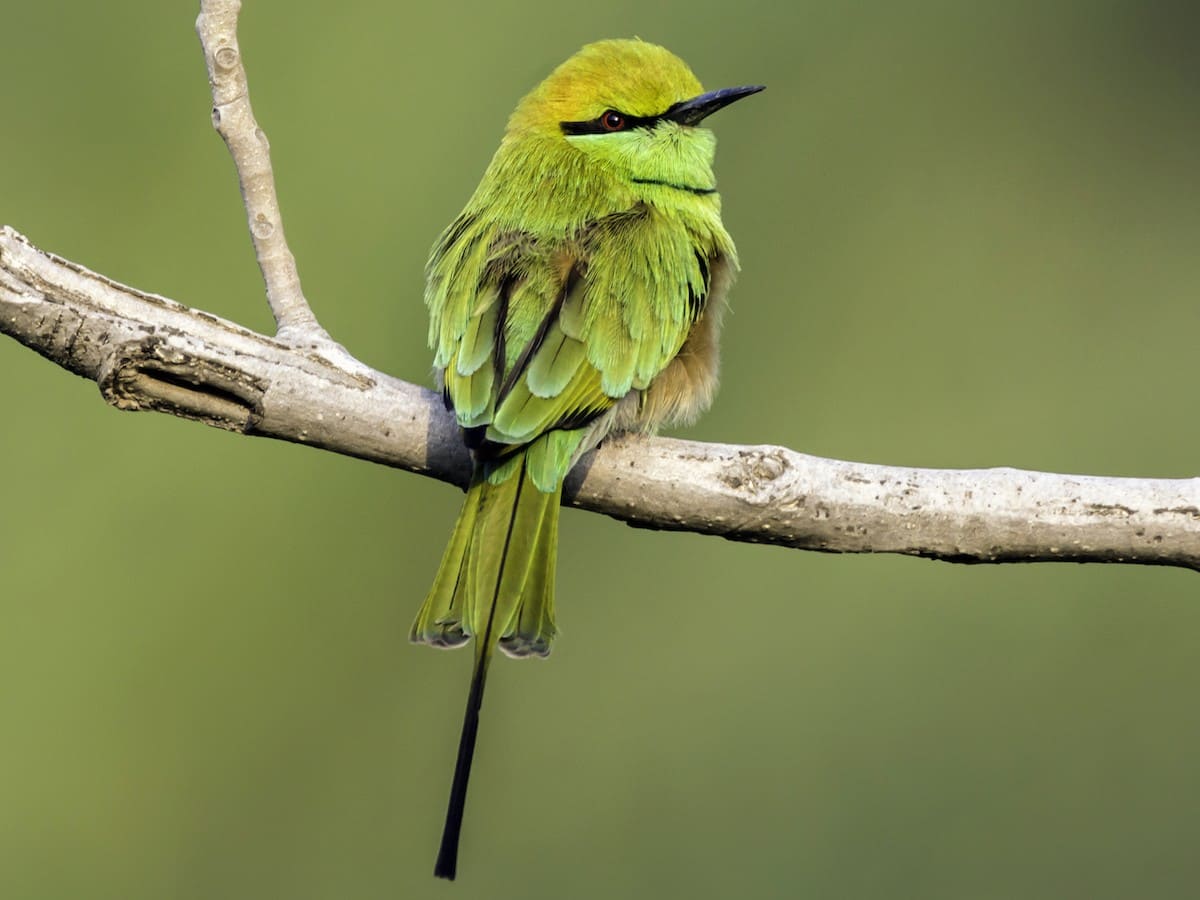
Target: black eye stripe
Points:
(596, 126)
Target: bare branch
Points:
(148, 352)
(234, 120)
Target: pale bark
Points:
(148, 352)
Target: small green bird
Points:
(580, 292)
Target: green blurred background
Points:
(969, 238)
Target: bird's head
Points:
(631, 109)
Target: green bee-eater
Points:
(579, 292)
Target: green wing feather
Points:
(539, 335)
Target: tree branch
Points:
(148, 352)
(233, 118)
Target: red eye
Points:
(612, 121)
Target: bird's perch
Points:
(147, 352)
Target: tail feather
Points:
(447, 858)
(496, 584)
(439, 622)
(531, 630)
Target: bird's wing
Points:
(541, 336)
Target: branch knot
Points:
(151, 374)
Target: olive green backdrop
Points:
(969, 238)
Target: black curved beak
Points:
(694, 111)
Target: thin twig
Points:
(234, 120)
(150, 353)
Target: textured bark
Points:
(147, 352)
